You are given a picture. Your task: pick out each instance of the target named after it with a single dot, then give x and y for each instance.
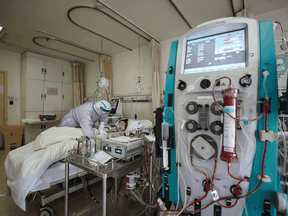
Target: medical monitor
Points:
(219, 52)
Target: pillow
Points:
(36, 145)
(54, 135)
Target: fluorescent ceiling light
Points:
(1, 28)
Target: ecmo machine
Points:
(219, 127)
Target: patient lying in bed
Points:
(132, 124)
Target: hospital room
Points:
(144, 108)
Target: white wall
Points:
(11, 62)
(282, 16)
(125, 73)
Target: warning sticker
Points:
(52, 91)
(228, 149)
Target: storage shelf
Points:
(42, 122)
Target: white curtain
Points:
(156, 59)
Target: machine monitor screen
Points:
(215, 53)
(118, 151)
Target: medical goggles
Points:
(104, 109)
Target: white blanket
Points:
(135, 124)
(24, 167)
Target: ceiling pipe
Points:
(63, 40)
(50, 38)
(180, 13)
(34, 51)
(87, 29)
(129, 21)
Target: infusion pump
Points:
(218, 92)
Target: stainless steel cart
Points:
(116, 169)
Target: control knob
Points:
(245, 80)
(205, 83)
(181, 85)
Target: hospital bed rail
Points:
(47, 197)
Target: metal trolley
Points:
(116, 169)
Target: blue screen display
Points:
(118, 151)
(215, 53)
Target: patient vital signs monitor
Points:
(219, 90)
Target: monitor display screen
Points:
(215, 53)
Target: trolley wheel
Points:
(45, 212)
(51, 209)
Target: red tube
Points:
(228, 152)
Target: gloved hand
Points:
(102, 132)
(101, 127)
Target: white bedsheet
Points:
(24, 167)
(55, 172)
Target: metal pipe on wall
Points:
(49, 38)
(34, 51)
(129, 21)
(87, 29)
(66, 41)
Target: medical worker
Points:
(86, 115)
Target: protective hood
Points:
(102, 107)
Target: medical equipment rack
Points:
(115, 169)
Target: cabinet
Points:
(46, 87)
(34, 95)
(53, 72)
(67, 90)
(67, 97)
(67, 74)
(44, 70)
(52, 96)
(36, 69)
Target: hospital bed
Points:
(55, 176)
(29, 170)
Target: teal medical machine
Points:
(218, 131)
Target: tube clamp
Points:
(267, 136)
(177, 164)
(265, 179)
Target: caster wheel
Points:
(28, 196)
(51, 209)
(45, 212)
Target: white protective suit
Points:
(86, 115)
